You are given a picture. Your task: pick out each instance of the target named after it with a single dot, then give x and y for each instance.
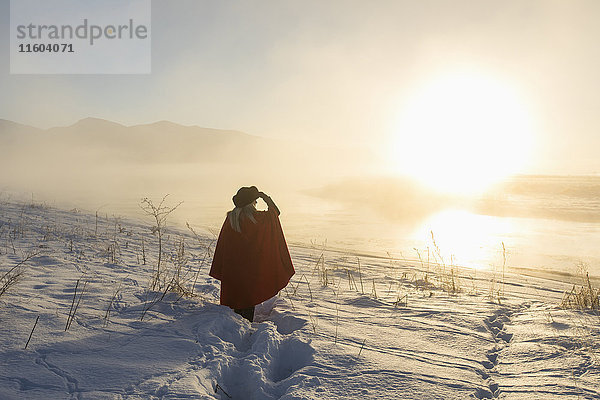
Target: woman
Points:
(251, 259)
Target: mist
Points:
(98, 163)
(95, 162)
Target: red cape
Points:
(253, 265)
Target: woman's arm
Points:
(270, 203)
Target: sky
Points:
(345, 72)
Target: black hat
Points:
(245, 196)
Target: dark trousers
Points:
(247, 313)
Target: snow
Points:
(388, 330)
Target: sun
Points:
(462, 132)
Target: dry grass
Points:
(586, 297)
(159, 213)
(75, 303)
(14, 274)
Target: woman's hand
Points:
(269, 202)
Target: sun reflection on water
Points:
(464, 238)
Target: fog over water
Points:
(335, 198)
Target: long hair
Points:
(238, 213)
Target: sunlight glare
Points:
(463, 132)
(466, 237)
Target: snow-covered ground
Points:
(384, 330)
